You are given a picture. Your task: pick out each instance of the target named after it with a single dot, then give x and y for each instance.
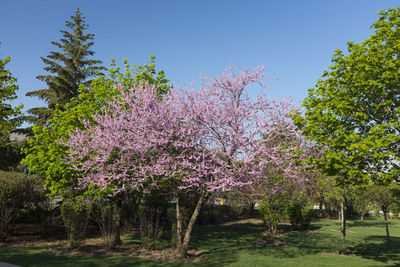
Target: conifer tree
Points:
(67, 69)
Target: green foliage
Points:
(273, 209)
(363, 200)
(8, 88)
(75, 215)
(17, 191)
(353, 111)
(385, 197)
(9, 154)
(68, 69)
(45, 153)
(300, 215)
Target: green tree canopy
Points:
(353, 111)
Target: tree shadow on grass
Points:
(367, 223)
(374, 248)
(36, 258)
(307, 242)
(224, 244)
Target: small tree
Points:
(383, 197)
(363, 200)
(273, 209)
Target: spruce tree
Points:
(68, 68)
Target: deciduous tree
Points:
(353, 111)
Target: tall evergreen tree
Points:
(68, 68)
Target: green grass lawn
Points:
(241, 245)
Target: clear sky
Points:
(293, 39)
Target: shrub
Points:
(273, 209)
(75, 215)
(17, 191)
(300, 215)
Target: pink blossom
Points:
(214, 138)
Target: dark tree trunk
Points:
(385, 210)
(178, 222)
(185, 244)
(343, 213)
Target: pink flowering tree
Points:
(277, 165)
(214, 138)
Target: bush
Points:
(300, 215)
(75, 215)
(17, 191)
(273, 209)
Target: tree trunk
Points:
(272, 228)
(251, 209)
(185, 244)
(343, 213)
(386, 225)
(178, 222)
(116, 228)
(362, 218)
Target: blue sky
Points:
(294, 40)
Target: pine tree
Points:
(68, 69)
